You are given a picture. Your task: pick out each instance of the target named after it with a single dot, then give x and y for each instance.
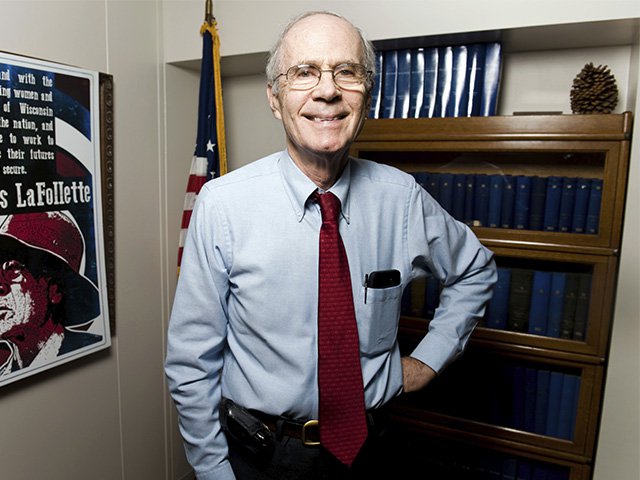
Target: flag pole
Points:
(208, 12)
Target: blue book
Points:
(496, 186)
(518, 395)
(459, 190)
(568, 406)
(508, 201)
(491, 80)
(445, 72)
(540, 291)
(481, 205)
(520, 299)
(569, 307)
(403, 84)
(475, 66)
(579, 221)
(530, 388)
(376, 92)
(555, 395)
(498, 308)
(556, 303)
(458, 96)
(430, 91)
(582, 307)
(405, 302)
(552, 204)
(539, 472)
(567, 202)
(522, 202)
(469, 199)
(542, 401)
(538, 195)
(446, 191)
(593, 209)
(434, 185)
(416, 89)
(389, 84)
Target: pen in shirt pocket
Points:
(380, 279)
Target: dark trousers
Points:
(292, 460)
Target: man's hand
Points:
(415, 374)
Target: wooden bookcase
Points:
(465, 407)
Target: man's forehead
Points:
(321, 39)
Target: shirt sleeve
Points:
(196, 339)
(465, 268)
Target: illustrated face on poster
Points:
(53, 300)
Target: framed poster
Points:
(54, 294)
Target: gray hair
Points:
(274, 66)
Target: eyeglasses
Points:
(345, 75)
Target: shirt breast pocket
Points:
(378, 318)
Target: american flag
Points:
(209, 159)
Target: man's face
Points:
(322, 121)
(23, 298)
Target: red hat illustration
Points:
(55, 234)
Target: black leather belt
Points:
(308, 432)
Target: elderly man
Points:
(282, 345)
(45, 302)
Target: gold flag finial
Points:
(208, 13)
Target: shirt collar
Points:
(299, 187)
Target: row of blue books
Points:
(451, 81)
(538, 302)
(551, 204)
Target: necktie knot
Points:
(329, 206)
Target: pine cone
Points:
(594, 90)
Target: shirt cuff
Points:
(222, 471)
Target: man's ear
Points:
(274, 103)
(55, 295)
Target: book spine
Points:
(582, 307)
(459, 191)
(569, 307)
(475, 69)
(556, 303)
(403, 84)
(481, 205)
(416, 89)
(567, 202)
(445, 71)
(508, 201)
(496, 187)
(522, 202)
(458, 97)
(431, 61)
(583, 187)
(593, 209)
(469, 199)
(520, 300)
(556, 381)
(491, 80)
(542, 401)
(446, 191)
(568, 404)
(390, 84)
(552, 203)
(538, 195)
(541, 285)
(434, 186)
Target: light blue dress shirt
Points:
(244, 319)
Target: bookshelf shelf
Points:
(578, 265)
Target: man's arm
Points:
(415, 374)
(196, 341)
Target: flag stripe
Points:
(209, 158)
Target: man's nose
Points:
(326, 88)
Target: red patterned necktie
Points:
(342, 422)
